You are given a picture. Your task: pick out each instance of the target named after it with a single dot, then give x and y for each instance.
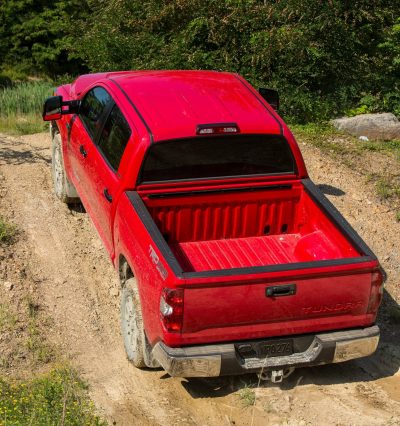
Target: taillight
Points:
(375, 297)
(171, 309)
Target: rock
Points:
(8, 285)
(383, 126)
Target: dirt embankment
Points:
(64, 264)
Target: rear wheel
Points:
(132, 323)
(63, 189)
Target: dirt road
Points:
(79, 291)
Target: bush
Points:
(5, 81)
(56, 398)
(320, 55)
(323, 56)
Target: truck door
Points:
(106, 181)
(81, 144)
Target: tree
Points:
(320, 54)
(36, 35)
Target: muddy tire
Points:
(132, 324)
(63, 189)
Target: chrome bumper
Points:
(224, 359)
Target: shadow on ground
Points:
(330, 190)
(384, 363)
(77, 208)
(15, 152)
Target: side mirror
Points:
(52, 108)
(271, 96)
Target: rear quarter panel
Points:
(134, 243)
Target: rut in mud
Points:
(78, 289)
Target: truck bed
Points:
(269, 225)
(247, 252)
(237, 250)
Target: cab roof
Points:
(173, 103)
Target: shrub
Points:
(56, 398)
(7, 232)
(5, 81)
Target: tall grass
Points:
(21, 107)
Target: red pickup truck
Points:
(230, 259)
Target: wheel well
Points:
(125, 271)
(53, 128)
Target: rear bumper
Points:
(227, 359)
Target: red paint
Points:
(210, 232)
(222, 231)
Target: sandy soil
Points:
(78, 290)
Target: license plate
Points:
(278, 348)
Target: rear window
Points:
(217, 156)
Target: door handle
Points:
(280, 290)
(83, 151)
(107, 195)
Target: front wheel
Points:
(63, 189)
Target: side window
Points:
(114, 137)
(92, 108)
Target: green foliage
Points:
(24, 98)
(321, 55)
(56, 398)
(7, 232)
(7, 319)
(35, 35)
(247, 396)
(38, 347)
(326, 58)
(5, 81)
(386, 188)
(21, 107)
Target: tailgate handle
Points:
(281, 290)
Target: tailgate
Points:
(279, 308)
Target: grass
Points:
(40, 350)
(7, 232)
(8, 320)
(269, 408)
(21, 107)
(383, 146)
(326, 137)
(350, 151)
(55, 398)
(247, 396)
(387, 189)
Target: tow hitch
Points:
(275, 376)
